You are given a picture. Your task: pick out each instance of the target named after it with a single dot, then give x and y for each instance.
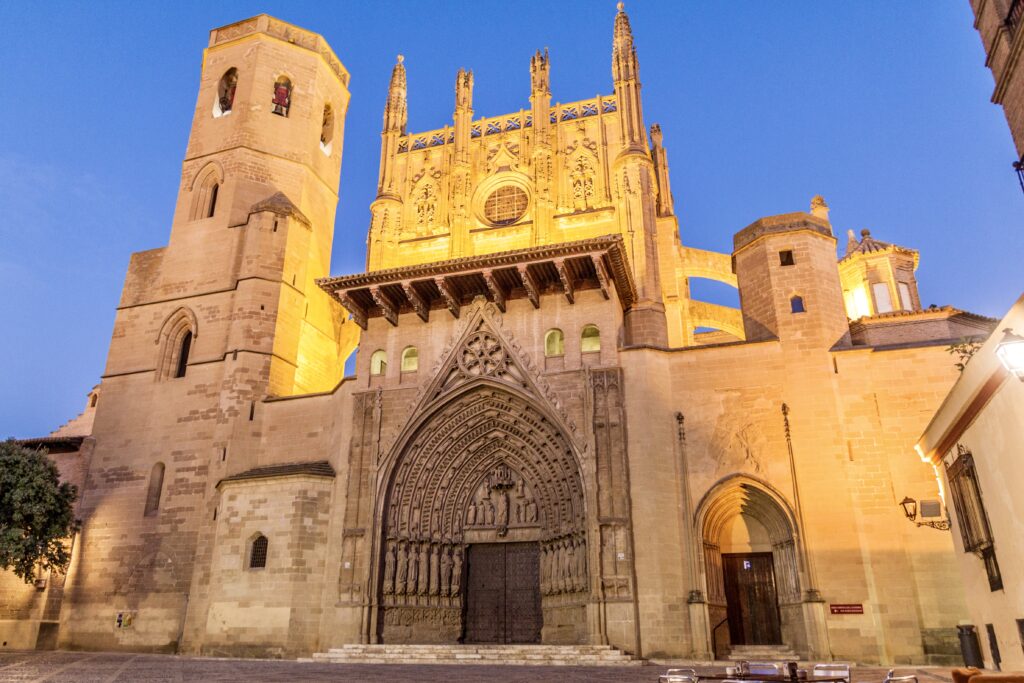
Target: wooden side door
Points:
(751, 601)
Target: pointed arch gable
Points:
(482, 349)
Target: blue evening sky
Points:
(880, 106)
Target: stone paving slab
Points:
(104, 667)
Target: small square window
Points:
(786, 258)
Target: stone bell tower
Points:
(259, 189)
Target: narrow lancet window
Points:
(156, 486)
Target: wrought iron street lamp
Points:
(1011, 353)
(909, 506)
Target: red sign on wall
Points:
(846, 608)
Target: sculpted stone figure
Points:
(413, 574)
(435, 572)
(389, 568)
(489, 508)
(581, 563)
(423, 587)
(502, 516)
(531, 512)
(545, 570)
(471, 515)
(571, 579)
(403, 569)
(457, 571)
(446, 570)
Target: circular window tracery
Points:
(505, 205)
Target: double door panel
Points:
(503, 593)
(751, 599)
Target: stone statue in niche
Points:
(581, 563)
(435, 571)
(423, 586)
(389, 568)
(402, 569)
(572, 581)
(489, 512)
(502, 500)
(446, 570)
(413, 570)
(425, 202)
(501, 518)
(457, 572)
(531, 512)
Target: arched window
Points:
(378, 362)
(93, 399)
(205, 190)
(410, 359)
(156, 487)
(184, 349)
(282, 99)
(258, 552)
(175, 340)
(590, 339)
(554, 343)
(225, 93)
(327, 130)
(796, 304)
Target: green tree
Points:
(36, 512)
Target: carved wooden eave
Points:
(564, 269)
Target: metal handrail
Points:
(714, 637)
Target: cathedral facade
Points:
(546, 439)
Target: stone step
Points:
(542, 655)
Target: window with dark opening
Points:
(970, 514)
(186, 346)
(282, 99)
(327, 130)
(213, 201)
(786, 258)
(796, 304)
(156, 485)
(258, 553)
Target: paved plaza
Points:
(105, 667)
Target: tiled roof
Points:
(44, 441)
(867, 244)
(320, 468)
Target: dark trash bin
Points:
(970, 646)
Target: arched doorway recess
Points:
(752, 567)
(484, 525)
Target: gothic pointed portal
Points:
(484, 461)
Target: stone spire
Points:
(463, 114)
(395, 118)
(396, 109)
(540, 73)
(626, 74)
(660, 157)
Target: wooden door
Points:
(503, 593)
(751, 602)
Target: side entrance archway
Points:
(484, 526)
(751, 567)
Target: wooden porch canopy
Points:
(524, 273)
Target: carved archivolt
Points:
(487, 459)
